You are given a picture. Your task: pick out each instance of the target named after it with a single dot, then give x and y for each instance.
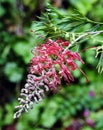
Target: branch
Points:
(73, 43)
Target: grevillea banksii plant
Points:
(51, 64)
(53, 61)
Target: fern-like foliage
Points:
(56, 24)
(99, 51)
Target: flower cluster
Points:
(51, 63)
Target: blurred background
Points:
(78, 107)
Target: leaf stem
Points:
(95, 22)
(73, 43)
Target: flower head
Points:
(50, 63)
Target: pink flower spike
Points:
(51, 64)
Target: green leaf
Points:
(83, 5)
(23, 48)
(2, 11)
(72, 110)
(21, 126)
(49, 115)
(100, 63)
(13, 72)
(33, 114)
(9, 115)
(1, 114)
(9, 1)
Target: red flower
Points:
(57, 63)
(51, 63)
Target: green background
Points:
(64, 110)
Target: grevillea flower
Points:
(51, 62)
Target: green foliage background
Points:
(56, 112)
